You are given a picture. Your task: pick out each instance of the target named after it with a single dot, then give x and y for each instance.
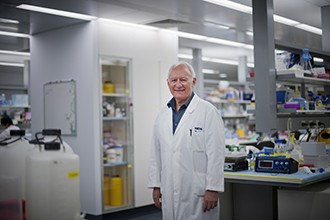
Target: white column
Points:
(242, 69)
(197, 64)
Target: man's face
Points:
(181, 83)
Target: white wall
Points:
(152, 53)
(71, 53)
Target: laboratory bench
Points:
(259, 195)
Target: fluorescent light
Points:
(8, 28)
(248, 46)
(185, 56)
(213, 60)
(14, 53)
(277, 18)
(231, 5)
(210, 71)
(317, 59)
(250, 33)
(4, 20)
(208, 23)
(309, 28)
(6, 33)
(128, 24)
(207, 39)
(56, 12)
(185, 34)
(224, 42)
(223, 75)
(11, 64)
(286, 21)
(217, 60)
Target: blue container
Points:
(281, 96)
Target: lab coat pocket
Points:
(199, 160)
(199, 184)
(198, 140)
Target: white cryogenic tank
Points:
(12, 173)
(52, 182)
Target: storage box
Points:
(313, 148)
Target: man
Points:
(8, 125)
(187, 152)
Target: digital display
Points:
(266, 164)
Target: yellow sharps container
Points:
(116, 197)
(106, 191)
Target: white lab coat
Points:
(6, 133)
(188, 162)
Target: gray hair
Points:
(190, 68)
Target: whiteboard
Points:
(60, 106)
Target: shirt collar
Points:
(172, 103)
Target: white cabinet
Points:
(116, 131)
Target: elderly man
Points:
(187, 152)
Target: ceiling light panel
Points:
(8, 21)
(13, 34)
(14, 53)
(231, 5)
(309, 28)
(277, 18)
(11, 64)
(56, 12)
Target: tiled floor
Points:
(141, 213)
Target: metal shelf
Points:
(303, 113)
(114, 95)
(114, 118)
(297, 76)
(246, 102)
(235, 116)
(13, 107)
(115, 164)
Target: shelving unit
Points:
(18, 112)
(117, 134)
(298, 78)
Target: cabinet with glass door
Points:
(116, 131)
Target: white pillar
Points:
(197, 64)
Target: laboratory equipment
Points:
(47, 173)
(276, 164)
(13, 152)
(236, 163)
(52, 179)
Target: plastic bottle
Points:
(106, 190)
(111, 154)
(116, 197)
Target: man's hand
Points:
(210, 200)
(157, 196)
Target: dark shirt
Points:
(177, 115)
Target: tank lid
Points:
(51, 132)
(17, 132)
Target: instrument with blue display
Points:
(275, 164)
